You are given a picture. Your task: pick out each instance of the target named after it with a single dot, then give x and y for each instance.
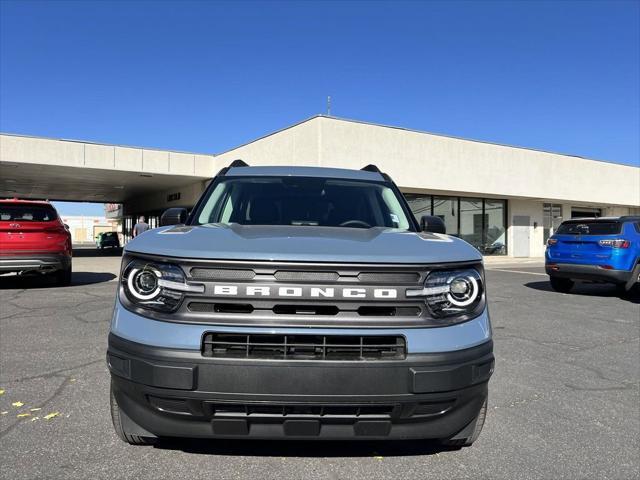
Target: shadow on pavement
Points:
(591, 290)
(94, 252)
(274, 448)
(45, 281)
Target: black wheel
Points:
(63, 277)
(477, 428)
(563, 285)
(116, 418)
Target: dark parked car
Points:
(107, 240)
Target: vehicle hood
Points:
(302, 244)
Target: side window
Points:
(637, 225)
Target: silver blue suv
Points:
(300, 303)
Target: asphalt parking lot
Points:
(564, 399)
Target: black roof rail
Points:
(371, 168)
(238, 163)
(235, 163)
(627, 218)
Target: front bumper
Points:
(44, 262)
(180, 393)
(587, 272)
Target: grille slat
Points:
(304, 347)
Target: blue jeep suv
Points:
(605, 249)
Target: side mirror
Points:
(173, 216)
(430, 223)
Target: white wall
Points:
(431, 164)
(422, 160)
(83, 228)
(297, 145)
(534, 210)
(21, 149)
(189, 195)
(425, 161)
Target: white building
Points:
(497, 197)
(84, 229)
(502, 199)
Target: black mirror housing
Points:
(173, 216)
(433, 224)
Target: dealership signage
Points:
(113, 210)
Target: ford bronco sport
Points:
(300, 303)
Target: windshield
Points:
(302, 201)
(589, 228)
(27, 213)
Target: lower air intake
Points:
(304, 347)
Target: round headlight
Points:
(463, 291)
(143, 282)
(155, 285)
(452, 293)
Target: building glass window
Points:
(419, 204)
(585, 212)
(471, 221)
(494, 230)
(481, 222)
(551, 219)
(447, 209)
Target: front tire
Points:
(477, 428)
(562, 285)
(116, 418)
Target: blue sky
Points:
(207, 76)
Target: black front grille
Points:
(283, 309)
(268, 272)
(205, 307)
(222, 274)
(382, 278)
(302, 276)
(304, 347)
(252, 410)
(267, 411)
(304, 309)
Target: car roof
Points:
(24, 201)
(623, 218)
(322, 172)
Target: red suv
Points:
(34, 239)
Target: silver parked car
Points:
(300, 303)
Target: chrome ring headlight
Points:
(155, 285)
(452, 293)
(143, 282)
(463, 291)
